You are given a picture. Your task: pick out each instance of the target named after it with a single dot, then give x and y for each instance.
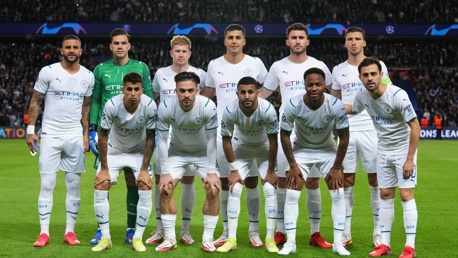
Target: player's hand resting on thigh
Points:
(293, 176)
(234, 177)
(272, 178)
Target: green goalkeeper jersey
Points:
(108, 83)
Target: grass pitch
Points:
(436, 197)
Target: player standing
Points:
(223, 74)
(109, 83)
(164, 86)
(66, 88)
(287, 74)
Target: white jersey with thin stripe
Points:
(290, 77)
(224, 76)
(128, 131)
(313, 128)
(64, 94)
(390, 114)
(164, 81)
(252, 130)
(345, 79)
(188, 128)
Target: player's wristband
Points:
(30, 129)
(232, 166)
(92, 127)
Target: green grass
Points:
(436, 197)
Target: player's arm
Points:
(413, 145)
(334, 178)
(208, 92)
(337, 94)
(234, 176)
(85, 121)
(103, 175)
(294, 174)
(264, 93)
(34, 108)
(144, 176)
(271, 176)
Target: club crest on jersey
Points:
(260, 123)
(327, 119)
(248, 72)
(104, 116)
(198, 120)
(84, 84)
(141, 120)
(387, 109)
(223, 125)
(283, 118)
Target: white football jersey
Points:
(252, 130)
(313, 128)
(64, 94)
(188, 128)
(290, 77)
(390, 114)
(345, 79)
(164, 81)
(128, 131)
(224, 76)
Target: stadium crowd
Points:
(414, 11)
(430, 66)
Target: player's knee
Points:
(143, 186)
(282, 182)
(387, 193)
(103, 186)
(269, 190)
(224, 184)
(236, 191)
(406, 194)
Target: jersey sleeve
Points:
(227, 122)
(147, 87)
(405, 106)
(271, 82)
(262, 71)
(335, 84)
(108, 115)
(210, 110)
(163, 116)
(42, 83)
(152, 115)
(288, 117)
(271, 120)
(203, 77)
(155, 84)
(341, 118)
(209, 81)
(90, 86)
(96, 98)
(328, 74)
(358, 105)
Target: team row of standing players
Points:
(307, 150)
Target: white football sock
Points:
(375, 205)
(102, 212)
(410, 221)
(253, 200)
(281, 197)
(224, 196)
(349, 203)
(233, 209)
(168, 223)
(72, 200)
(144, 207)
(45, 200)
(157, 208)
(338, 213)
(188, 197)
(386, 218)
(314, 209)
(270, 208)
(292, 208)
(209, 227)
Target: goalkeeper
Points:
(108, 83)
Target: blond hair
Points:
(180, 40)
